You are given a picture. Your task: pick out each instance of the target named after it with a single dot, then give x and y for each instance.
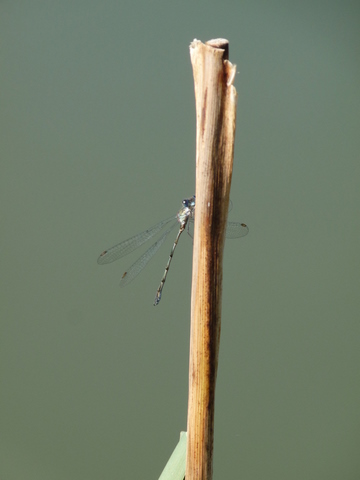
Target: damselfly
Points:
(185, 214)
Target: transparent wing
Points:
(129, 245)
(233, 229)
(141, 262)
(236, 230)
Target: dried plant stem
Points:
(216, 99)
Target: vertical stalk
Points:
(215, 98)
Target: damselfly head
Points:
(189, 202)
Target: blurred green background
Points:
(98, 143)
